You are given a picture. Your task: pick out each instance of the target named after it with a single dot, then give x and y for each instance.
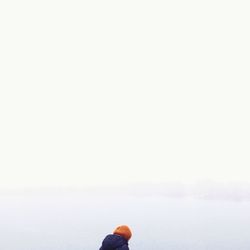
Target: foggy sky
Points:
(102, 93)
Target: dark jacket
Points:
(114, 242)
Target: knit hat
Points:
(123, 231)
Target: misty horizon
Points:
(237, 191)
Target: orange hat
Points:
(123, 231)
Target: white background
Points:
(113, 92)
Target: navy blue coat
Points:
(114, 242)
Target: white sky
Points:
(108, 92)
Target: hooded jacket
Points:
(114, 242)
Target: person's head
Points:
(123, 231)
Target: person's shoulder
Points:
(115, 236)
(115, 240)
(109, 236)
(124, 247)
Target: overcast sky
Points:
(113, 92)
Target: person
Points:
(118, 240)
